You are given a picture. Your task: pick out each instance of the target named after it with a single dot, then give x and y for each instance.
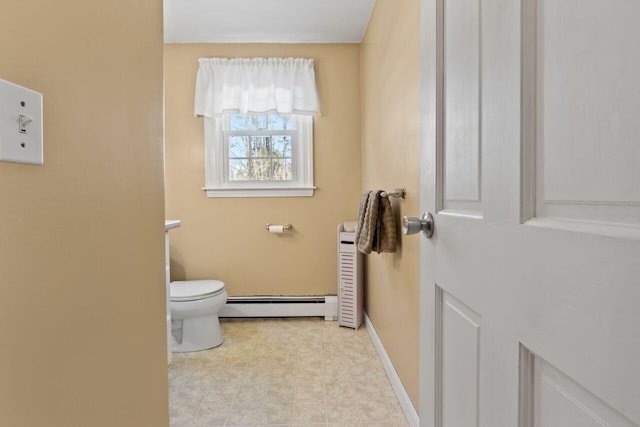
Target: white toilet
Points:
(194, 314)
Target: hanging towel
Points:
(376, 226)
(363, 207)
(369, 220)
(386, 239)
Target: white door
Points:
(530, 285)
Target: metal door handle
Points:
(412, 225)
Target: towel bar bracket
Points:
(396, 192)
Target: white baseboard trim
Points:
(324, 306)
(407, 407)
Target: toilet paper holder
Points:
(284, 226)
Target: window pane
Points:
(281, 169)
(238, 122)
(261, 169)
(239, 170)
(260, 146)
(277, 122)
(281, 145)
(238, 146)
(287, 123)
(257, 122)
(266, 157)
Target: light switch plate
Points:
(20, 124)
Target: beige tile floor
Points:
(278, 372)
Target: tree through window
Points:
(260, 147)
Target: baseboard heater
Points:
(281, 306)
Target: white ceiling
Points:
(266, 21)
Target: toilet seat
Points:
(192, 290)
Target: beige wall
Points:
(82, 311)
(224, 238)
(390, 58)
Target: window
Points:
(259, 155)
(258, 125)
(260, 147)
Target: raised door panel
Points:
(462, 106)
(588, 99)
(460, 363)
(561, 402)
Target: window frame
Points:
(217, 182)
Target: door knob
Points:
(412, 225)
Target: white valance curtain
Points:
(255, 85)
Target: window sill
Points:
(260, 192)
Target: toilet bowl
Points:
(194, 314)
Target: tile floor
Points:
(277, 372)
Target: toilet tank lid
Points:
(195, 288)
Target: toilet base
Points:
(196, 334)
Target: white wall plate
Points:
(20, 124)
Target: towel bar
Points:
(396, 192)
